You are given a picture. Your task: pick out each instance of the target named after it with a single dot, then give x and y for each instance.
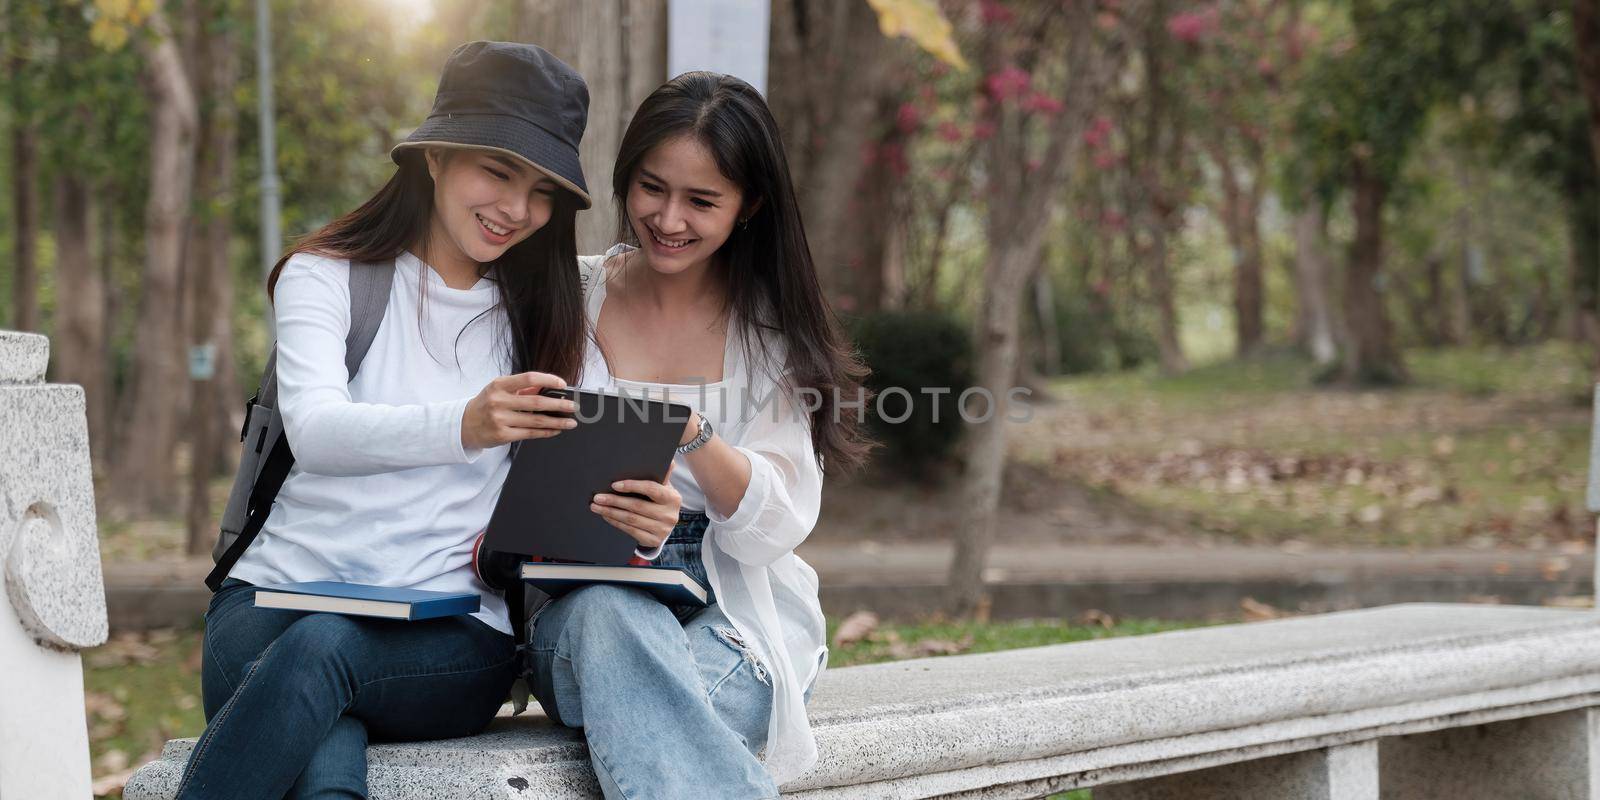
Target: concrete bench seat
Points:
(1409, 701)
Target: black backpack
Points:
(266, 458)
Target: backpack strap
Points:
(369, 299)
(370, 285)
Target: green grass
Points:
(1205, 388)
(1484, 446)
(1553, 370)
(142, 689)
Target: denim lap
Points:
(350, 676)
(609, 659)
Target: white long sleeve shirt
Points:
(767, 592)
(382, 491)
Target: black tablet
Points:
(544, 504)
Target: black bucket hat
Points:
(514, 99)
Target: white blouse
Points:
(382, 490)
(767, 592)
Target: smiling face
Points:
(484, 203)
(681, 206)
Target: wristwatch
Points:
(701, 438)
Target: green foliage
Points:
(345, 90)
(1094, 339)
(912, 351)
(1368, 98)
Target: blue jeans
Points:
(291, 698)
(670, 701)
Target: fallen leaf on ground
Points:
(1096, 617)
(1552, 568)
(1256, 610)
(854, 628)
(112, 783)
(103, 706)
(942, 647)
(111, 761)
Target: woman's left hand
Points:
(649, 521)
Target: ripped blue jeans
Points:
(671, 702)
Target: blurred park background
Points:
(1289, 279)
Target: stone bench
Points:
(1410, 701)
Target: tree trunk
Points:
(1582, 206)
(1158, 181)
(620, 48)
(1022, 194)
(1044, 307)
(1434, 326)
(211, 285)
(1168, 344)
(25, 224)
(79, 342)
(106, 200)
(1312, 281)
(1005, 277)
(142, 475)
(1586, 47)
(1370, 357)
(819, 46)
(1241, 212)
(870, 232)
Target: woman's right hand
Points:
(511, 409)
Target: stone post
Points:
(51, 557)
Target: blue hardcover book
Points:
(670, 585)
(365, 601)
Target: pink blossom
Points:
(893, 155)
(1008, 82)
(993, 12)
(1098, 134)
(1192, 27)
(1034, 164)
(950, 132)
(1044, 104)
(927, 93)
(908, 118)
(944, 174)
(983, 130)
(1265, 67)
(1106, 159)
(1113, 220)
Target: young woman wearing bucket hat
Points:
(397, 468)
(712, 301)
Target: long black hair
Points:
(766, 265)
(538, 277)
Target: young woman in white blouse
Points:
(712, 301)
(398, 468)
